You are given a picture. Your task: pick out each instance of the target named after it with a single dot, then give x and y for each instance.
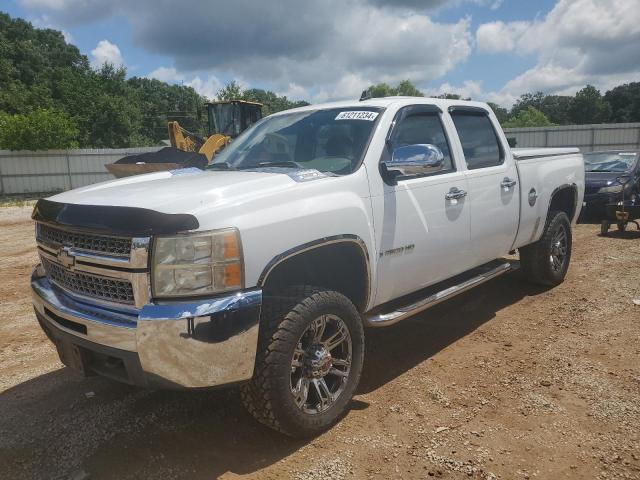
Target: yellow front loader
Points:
(226, 120)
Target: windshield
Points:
(330, 141)
(609, 162)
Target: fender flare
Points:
(322, 242)
(559, 188)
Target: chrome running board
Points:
(399, 314)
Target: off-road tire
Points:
(286, 314)
(604, 228)
(535, 259)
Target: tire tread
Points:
(281, 310)
(533, 263)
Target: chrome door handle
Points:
(507, 183)
(455, 194)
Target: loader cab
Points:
(233, 117)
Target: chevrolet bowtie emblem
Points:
(66, 259)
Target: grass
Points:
(18, 201)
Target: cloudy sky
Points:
(492, 50)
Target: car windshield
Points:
(609, 162)
(330, 140)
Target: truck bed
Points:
(531, 153)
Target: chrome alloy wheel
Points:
(559, 247)
(321, 364)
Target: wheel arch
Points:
(326, 262)
(565, 199)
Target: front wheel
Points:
(546, 262)
(309, 361)
(604, 228)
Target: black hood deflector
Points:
(112, 220)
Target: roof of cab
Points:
(387, 102)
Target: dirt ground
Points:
(508, 381)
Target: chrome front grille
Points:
(112, 270)
(101, 244)
(89, 285)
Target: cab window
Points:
(479, 139)
(423, 128)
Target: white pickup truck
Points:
(265, 269)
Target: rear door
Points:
(492, 177)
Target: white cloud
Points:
(207, 87)
(577, 42)
(469, 89)
(106, 52)
(207, 84)
(331, 49)
(166, 74)
(499, 36)
(48, 4)
(44, 21)
(294, 92)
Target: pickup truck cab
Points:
(264, 269)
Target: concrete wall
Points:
(620, 136)
(48, 171)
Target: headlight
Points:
(611, 189)
(197, 264)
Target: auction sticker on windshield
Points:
(357, 115)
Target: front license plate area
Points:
(74, 357)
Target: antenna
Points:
(366, 95)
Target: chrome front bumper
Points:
(203, 343)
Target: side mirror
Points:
(411, 160)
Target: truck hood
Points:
(186, 190)
(602, 179)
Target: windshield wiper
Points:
(220, 166)
(276, 163)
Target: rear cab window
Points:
(479, 139)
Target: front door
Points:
(425, 230)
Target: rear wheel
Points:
(309, 361)
(604, 228)
(546, 262)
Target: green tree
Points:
(527, 100)
(625, 103)
(160, 103)
(404, 88)
(30, 60)
(407, 89)
(588, 106)
(231, 91)
(531, 117)
(106, 109)
(556, 108)
(271, 102)
(40, 129)
(381, 90)
(501, 113)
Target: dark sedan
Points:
(609, 176)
